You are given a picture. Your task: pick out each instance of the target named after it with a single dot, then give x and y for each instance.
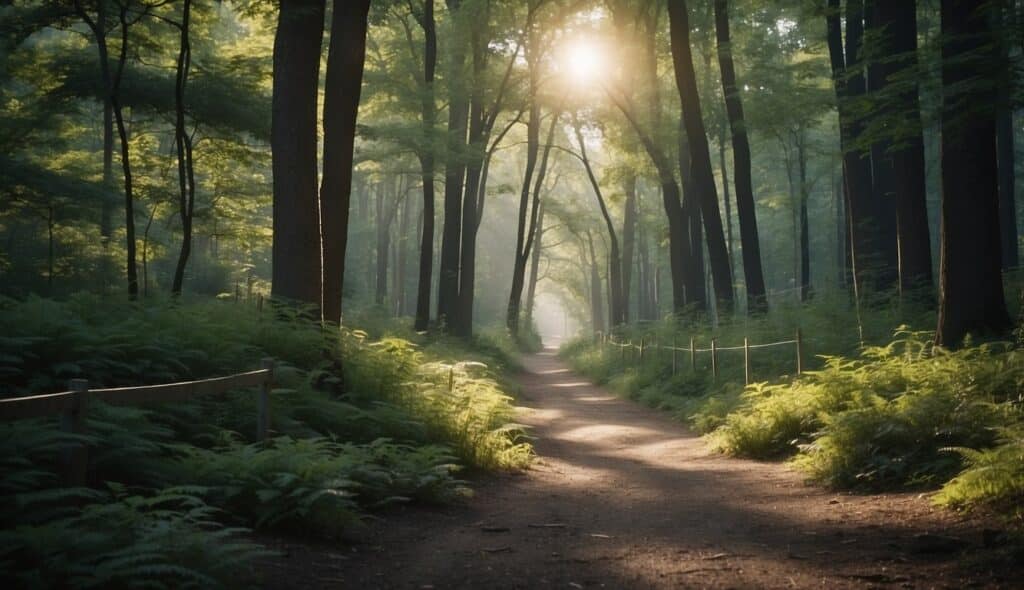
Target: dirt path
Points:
(624, 497)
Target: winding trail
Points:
(622, 496)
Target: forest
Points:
(761, 324)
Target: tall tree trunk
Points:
(750, 243)
(726, 199)
(293, 140)
(805, 238)
(616, 313)
(401, 261)
(462, 308)
(628, 244)
(427, 164)
(531, 289)
(454, 179)
(1005, 141)
(899, 160)
(342, 88)
(883, 209)
(694, 282)
(971, 296)
(183, 141)
(596, 303)
(703, 176)
(126, 167)
(383, 244)
(527, 224)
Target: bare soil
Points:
(622, 496)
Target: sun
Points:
(583, 60)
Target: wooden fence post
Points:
(76, 455)
(799, 352)
(259, 303)
(263, 405)
(641, 351)
(693, 355)
(714, 358)
(746, 359)
(238, 292)
(451, 378)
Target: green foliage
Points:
(358, 424)
(993, 477)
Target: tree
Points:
(700, 155)
(971, 296)
(742, 175)
(873, 253)
(183, 143)
(455, 172)
(297, 249)
(617, 314)
(342, 87)
(897, 158)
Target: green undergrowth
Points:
(896, 416)
(358, 422)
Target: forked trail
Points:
(622, 496)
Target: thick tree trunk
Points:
(899, 160)
(293, 140)
(342, 88)
(427, 170)
(750, 243)
(1005, 143)
(183, 141)
(703, 176)
(454, 181)
(971, 296)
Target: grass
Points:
(357, 423)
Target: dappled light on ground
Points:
(624, 497)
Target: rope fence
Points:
(636, 351)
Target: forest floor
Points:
(621, 496)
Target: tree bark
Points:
(901, 157)
(971, 296)
(426, 158)
(750, 243)
(703, 176)
(345, 59)
(531, 289)
(293, 140)
(1005, 143)
(616, 314)
(183, 141)
(527, 224)
(454, 180)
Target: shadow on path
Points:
(624, 497)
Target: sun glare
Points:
(583, 61)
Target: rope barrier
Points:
(714, 350)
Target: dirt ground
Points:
(622, 496)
